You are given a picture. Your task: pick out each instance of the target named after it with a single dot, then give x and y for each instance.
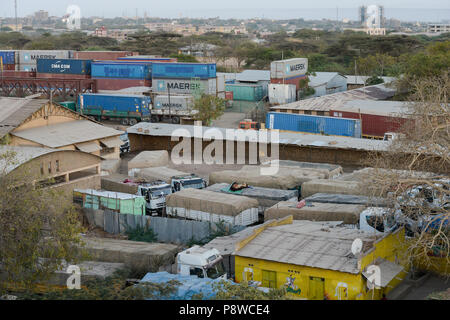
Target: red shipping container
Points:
(229, 95)
(62, 76)
(102, 55)
(295, 81)
(117, 84)
(19, 74)
(10, 67)
(373, 125)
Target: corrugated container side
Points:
(19, 74)
(184, 102)
(141, 58)
(242, 92)
(314, 124)
(115, 103)
(184, 70)
(9, 67)
(8, 57)
(121, 70)
(183, 86)
(101, 55)
(288, 68)
(373, 125)
(62, 76)
(294, 80)
(117, 84)
(64, 66)
(28, 57)
(281, 93)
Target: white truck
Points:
(155, 194)
(378, 220)
(204, 263)
(187, 181)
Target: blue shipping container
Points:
(8, 57)
(117, 70)
(314, 124)
(184, 70)
(64, 66)
(117, 105)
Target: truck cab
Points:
(155, 194)
(378, 220)
(204, 263)
(189, 181)
(248, 124)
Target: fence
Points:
(171, 230)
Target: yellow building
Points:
(314, 260)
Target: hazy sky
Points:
(210, 8)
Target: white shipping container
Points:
(221, 83)
(183, 86)
(289, 68)
(282, 93)
(177, 102)
(29, 57)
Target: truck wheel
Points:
(124, 121)
(132, 122)
(175, 120)
(154, 119)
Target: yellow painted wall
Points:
(389, 248)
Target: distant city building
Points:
(41, 15)
(199, 50)
(362, 14)
(371, 16)
(438, 28)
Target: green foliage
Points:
(243, 291)
(184, 58)
(110, 288)
(209, 108)
(374, 80)
(143, 234)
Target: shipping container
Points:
(69, 105)
(177, 102)
(102, 55)
(373, 125)
(19, 74)
(282, 93)
(128, 108)
(30, 57)
(184, 86)
(246, 92)
(62, 76)
(64, 66)
(119, 84)
(294, 80)
(26, 67)
(8, 57)
(314, 124)
(148, 58)
(117, 70)
(184, 70)
(9, 67)
(288, 68)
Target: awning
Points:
(88, 147)
(388, 271)
(112, 142)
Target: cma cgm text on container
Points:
(64, 66)
(314, 124)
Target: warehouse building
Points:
(54, 168)
(327, 83)
(39, 123)
(317, 261)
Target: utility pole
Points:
(15, 9)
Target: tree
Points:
(209, 108)
(39, 228)
(420, 194)
(243, 291)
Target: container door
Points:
(316, 288)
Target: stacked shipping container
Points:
(64, 68)
(314, 124)
(289, 71)
(102, 55)
(116, 75)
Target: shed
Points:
(327, 83)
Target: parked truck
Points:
(128, 109)
(155, 194)
(202, 262)
(172, 108)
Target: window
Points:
(196, 272)
(57, 165)
(42, 168)
(49, 167)
(269, 279)
(307, 111)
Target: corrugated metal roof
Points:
(322, 245)
(384, 108)
(330, 101)
(289, 138)
(14, 111)
(321, 78)
(20, 155)
(67, 133)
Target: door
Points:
(316, 288)
(269, 279)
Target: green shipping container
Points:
(69, 105)
(116, 201)
(245, 92)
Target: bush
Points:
(143, 234)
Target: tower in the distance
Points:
(362, 14)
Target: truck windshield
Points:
(193, 183)
(216, 270)
(157, 193)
